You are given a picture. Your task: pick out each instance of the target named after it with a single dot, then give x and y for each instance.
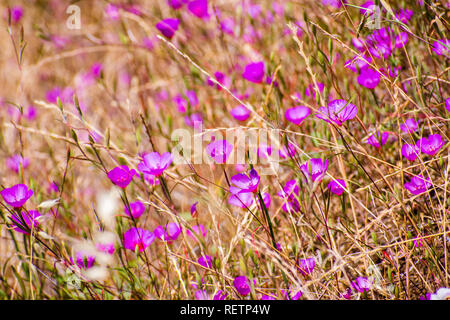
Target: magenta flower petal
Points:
(410, 151)
(337, 112)
(205, 261)
(378, 139)
(242, 285)
(430, 145)
(137, 209)
(254, 72)
(137, 238)
(30, 218)
(83, 260)
(297, 114)
(240, 113)
(306, 266)
(418, 185)
(154, 164)
(17, 195)
(409, 126)
(199, 8)
(337, 186)
(362, 284)
(219, 150)
(121, 176)
(168, 27)
(369, 78)
(314, 169)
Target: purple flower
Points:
(263, 151)
(176, 4)
(358, 63)
(430, 145)
(194, 120)
(112, 11)
(337, 112)
(447, 104)
(290, 193)
(311, 89)
(16, 14)
(168, 27)
(362, 284)
(289, 296)
(83, 260)
(409, 126)
(16, 161)
(137, 238)
(205, 261)
(219, 295)
(368, 7)
(106, 247)
(337, 186)
(369, 78)
(242, 285)
(240, 113)
(121, 176)
(418, 242)
(404, 15)
(254, 72)
(194, 212)
(418, 185)
(240, 199)
(401, 40)
(219, 150)
(332, 3)
(220, 77)
(306, 266)
(441, 47)
(192, 98)
(170, 233)
(137, 209)
(201, 295)
(297, 114)
(410, 151)
(246, 183)
(30, 218)
(314, 169)
(153, 163)
(199, 230)
(378, 139)
(17, 195)
(199, 8)
(285, 153)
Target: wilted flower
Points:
(337, 186)
(314, 169)
(369, 78)
(409, 126)
(84, 260)
(240, 113)
(137, 238)
(16, 161)
(378, 139)
(430, 145)
(137, 209)
(306, 266)
(205, 261)
(17, 195)
(168, 27)
(418, 185)
(121, 176)
(153, 163)
(219, 150)
(297, 114)
(362, 284)
(30, 218)
(242, 285)
(410, 151)
(254, 72)
(337, 112)
(246, 183)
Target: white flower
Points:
(441, 294)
